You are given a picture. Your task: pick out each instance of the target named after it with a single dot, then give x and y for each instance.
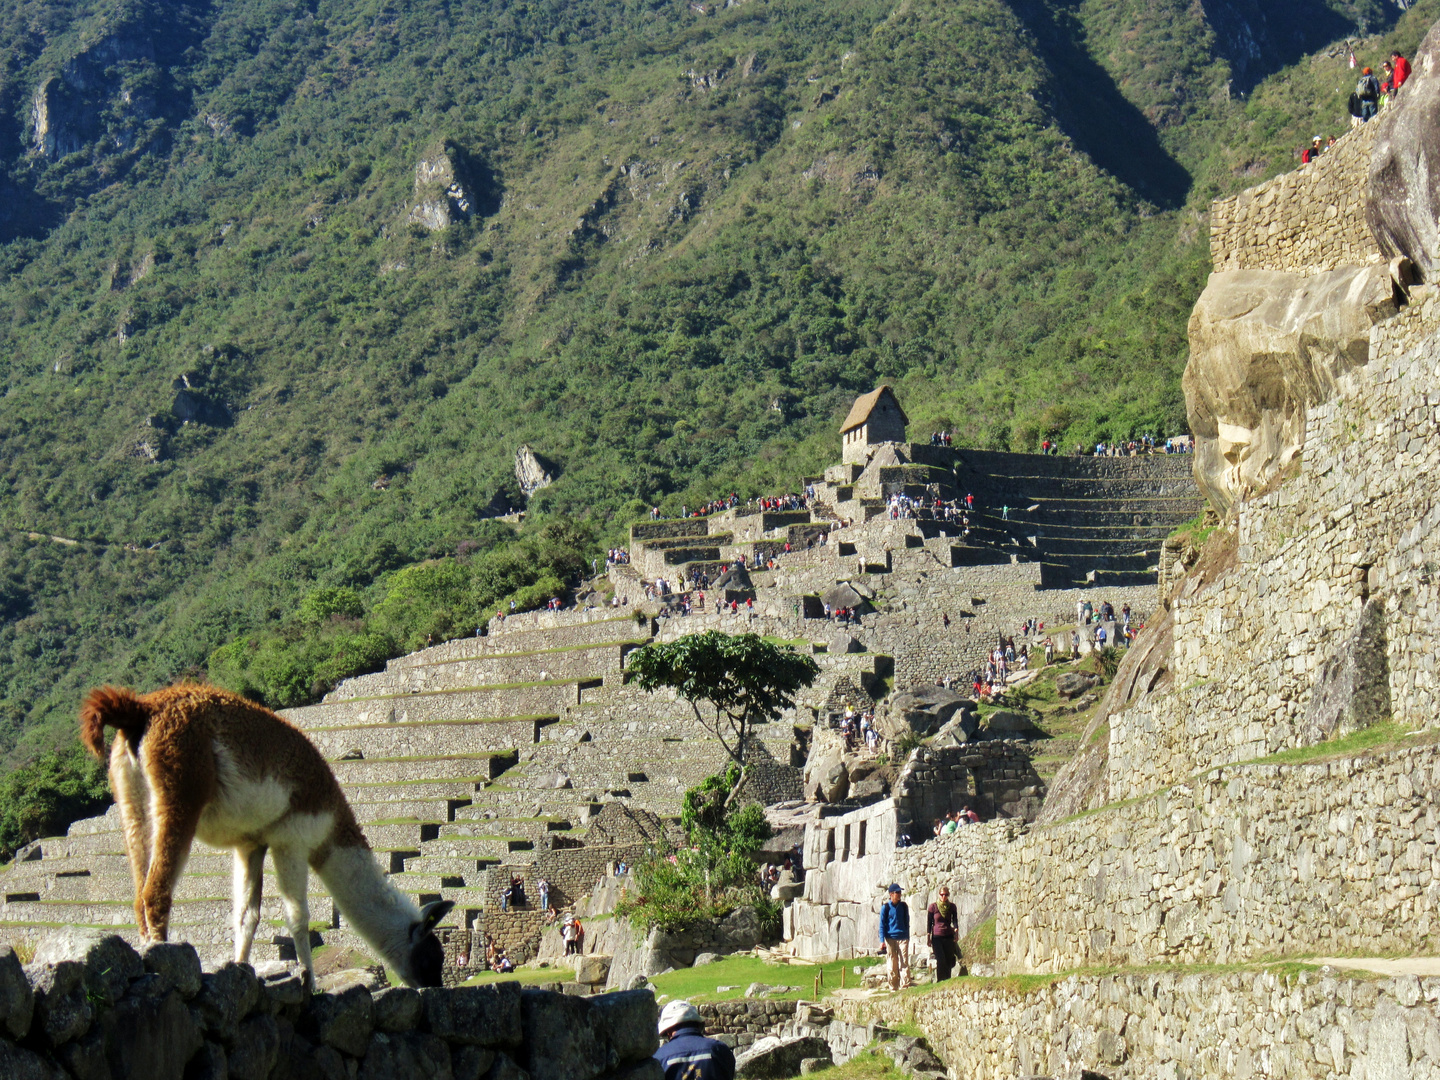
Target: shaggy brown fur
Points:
(169, 747)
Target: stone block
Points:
(565, 1038)
(109, 960)
(343, 1020)
(397, 1008)
(226, 997)
(17, 1063)
(256, 1050)
(475, 1015)
(471, 1062)
(17, 999)
(177, 963)
(406, 1056)
(62, 1011)
(151, 1036)
(630, 1019)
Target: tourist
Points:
(1049, 651)
(1312, 151)
(1100, 636)
(895, 937)
(569, 933)
(940, 931)
(1402, 69)
(1368, 91)
(1075, 644)
(686, 1054)
(506, 965)
(543, 888)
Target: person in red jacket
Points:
(1402, 69)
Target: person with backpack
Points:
(1368, 91)
(895, 937)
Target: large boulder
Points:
(1071, 684)
(1010, 724)
(843, 595)
(1402, 205)
(923, 710)
(1264, 347)
(773, 1058)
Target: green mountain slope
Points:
(691, 233)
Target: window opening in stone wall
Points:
(845, 846)
(829, 846)
(860, 842)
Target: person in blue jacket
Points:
(687, 1054)
(895, 937)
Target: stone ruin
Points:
(1175, 836)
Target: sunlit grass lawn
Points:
(703, 983)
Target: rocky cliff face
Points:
(1403, 201)
(1305, 266)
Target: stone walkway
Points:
(1409, 965)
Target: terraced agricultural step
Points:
(541, 698)
(207, 912)
(447, 866)
(518, 669)
(430, 737)
(483, 766)
(418, 809)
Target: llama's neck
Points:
(379, 912)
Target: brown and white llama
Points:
(197, 761)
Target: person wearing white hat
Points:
(687, 1054)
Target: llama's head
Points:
(424, 958)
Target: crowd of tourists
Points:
(1145, 444)
(857, 728)
(1373, 92)
(767, 503)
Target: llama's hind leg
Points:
(173, 833)
(132, 796)
(292, 881)
(249, 873)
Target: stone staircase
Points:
(1087, 519)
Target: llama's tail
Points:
(116, 707)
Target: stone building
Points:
(875, 418)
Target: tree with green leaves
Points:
(743, 678)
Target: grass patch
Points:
(1195, 532)
(526, 975)
(703, 983)
(866, 1065)
(978, 946)
(1386, 734)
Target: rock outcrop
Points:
(1403, 201)
(532, 472)
(442, 196)
(1264, 346)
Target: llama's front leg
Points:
(249, 873)
(292, 880)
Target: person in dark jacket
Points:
(686, 1053)
(941, 929)
(1368, 91)
(895, 937)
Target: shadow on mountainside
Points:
(1092, 111)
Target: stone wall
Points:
(1177, 1024)
(1307, 221)
(1334, 567)
(740, 1023)
(93, 1007)
(1327, 859)
(995, 778)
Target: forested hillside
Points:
(283, 285)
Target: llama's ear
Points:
(430, 916)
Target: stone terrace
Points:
(465, 763)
